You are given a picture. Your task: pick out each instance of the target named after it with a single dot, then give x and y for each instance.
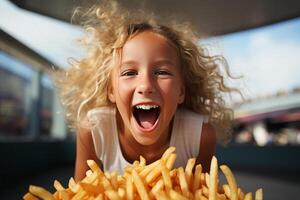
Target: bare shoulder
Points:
(84, 131)
(207, 149)
(84, 150)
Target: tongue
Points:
(147, 118)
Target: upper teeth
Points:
(146, 107)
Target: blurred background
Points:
(260, 40)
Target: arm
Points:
(207, 146)
(84, 151)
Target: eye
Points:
(162, 72)
(129, 72)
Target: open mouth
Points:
(146, 115)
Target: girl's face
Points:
(147, 88)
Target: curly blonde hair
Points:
(108, 26)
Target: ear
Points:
(111, 94)
(181, 95)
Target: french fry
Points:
(99, 197)
(207, 179)
(94, 167)
(166, 177)
(205, 191)
(154, 173)
(121, 193)
(29, 196)
(158, 186)
(176, 196)
(203, 198)
(183, 183)
(75, 188)
(121, 181)
(213, 179)
(171, 161)
(226, 190)
(58, 186)
(259, 194)
(106, 183)
(135, 163)
(140, 186)
(111, 194)
(197, 178)
(231, 181)
(221, 197)
(149, 168)
(189, 172)
(91, 189)
(40, 192)
(90, 177)
(167, 153)
(79, 195)
(63, 195)
(129, 188)
(241, 194)
(248, 196)
(114, 180)
(161, 195)
(142, 161)
(198, 194)
(157, 180)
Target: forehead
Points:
(149, 45)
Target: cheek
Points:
(170, 89)
(124, 91)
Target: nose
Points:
(146, 85)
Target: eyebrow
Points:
(129, 62)
(159, 61)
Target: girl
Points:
(144, 86)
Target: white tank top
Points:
(186, 133)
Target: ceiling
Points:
(210, 17)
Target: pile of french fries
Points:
(157, 180)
